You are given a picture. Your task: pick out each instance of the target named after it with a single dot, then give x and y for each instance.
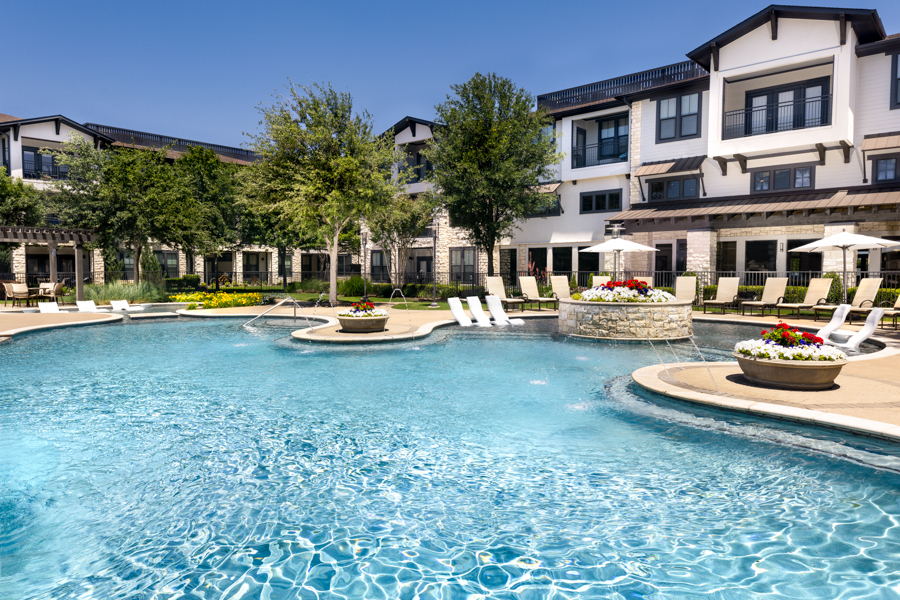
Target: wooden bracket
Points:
(16, 133)
(412, 128)
(845, 148)
(773, 19)
(714, 48)
(821, 149)
(723, 164)
(742, 160)
(57, 123)
(843, 19)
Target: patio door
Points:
(662, 268)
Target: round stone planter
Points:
(626, 321)
(362, 324)
(790, 374)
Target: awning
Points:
(45, 235)
(676, 165)
(765, 204)
(548, 188)
(881, 141)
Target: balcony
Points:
(774, 117)
(605, 153)
(43, 170)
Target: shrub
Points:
(220, 300)
(133, 292)
(352, 286)
(310, 286)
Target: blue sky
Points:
(198, 70)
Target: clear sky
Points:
(198, 70)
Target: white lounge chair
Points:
(852, 345)
(496, 287)
(88, 306)
(686, 289)
(837, 319)
(459, 314)
(475, 308)
(726, 293)
(863, 299)
(500, 316)
(560, 286)
(773, 293)
(124, 306)
(49, 308)
(816, 294)
(531, 293)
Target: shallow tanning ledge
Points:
(632, 321)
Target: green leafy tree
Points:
(129, 197)
(490, 154)
(213, 185)
(397, 225)
(20, 203)
(322, 169)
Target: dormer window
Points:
(678, 118)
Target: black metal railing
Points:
(141, 138)
(778, 116)
(32, 170)
(619, 86)
(604, 153)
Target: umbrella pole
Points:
(845, 275)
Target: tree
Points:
(321, 166)
(128, 196)
(490, 154)
(20, 203)
(397, 226)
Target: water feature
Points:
(285, 300)
(699, 353)
(391, 300)
(194, 459)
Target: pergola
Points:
(52, 237)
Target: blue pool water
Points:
(196, 459)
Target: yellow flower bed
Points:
(220, 300)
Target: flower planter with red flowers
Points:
(362, 317)
(789, 359)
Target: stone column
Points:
(634, 153)
(237, 266)
(79, 273)
(99, 267)
(637, 261)
(701, 250)
(52, 251)
(18, 260)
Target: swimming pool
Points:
(197, 459)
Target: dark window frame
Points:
(605, 194)
(555, 211)
(793, 177)
(464, 276)
(678, 117)
(665, 183)
(38, 171)
(874, 168)
(799, 87)
(895, 82)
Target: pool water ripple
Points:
(197, 460)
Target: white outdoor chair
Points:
(853, 344)
(88, 306)
(124, 306)
(49, 308)
(459, 314)
(475, 308)
(837, 319)
(500, 317)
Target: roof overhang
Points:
(409, 122)
(890, 45)
(45, 235)
(675, 165)
(548, 188)
(881, 141)
(866, 25)
(58, 119)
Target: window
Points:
(678, 117)
(588, 261)
(345, 265)
(726, 256)
(895, 81)
(885, 169)
(673, 189)
(462, 264)
(168, 263)
(760, 256)
(795, 106)
(537, 262)
(40, 166)
(562, 260)
(379, 266)
(285, 264)
(551, 211)
(802, 261)
(592, 202)
(782, 178)
(613, 140)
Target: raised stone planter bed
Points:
(362, 324)
(790, 374)
(634, 321)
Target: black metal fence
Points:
(777, 116)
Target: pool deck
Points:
(15, 322)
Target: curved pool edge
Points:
(648, 378)
(105, 319)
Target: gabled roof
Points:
(4, 118)
(865, 22)
(888, 45)
(7, 125)
(411, 123)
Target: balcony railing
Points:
(30, 170)
(778, 116)
(604, 153)
(610, 88)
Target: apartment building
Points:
(779, 131)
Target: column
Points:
(99, 268)
(237, 266)
(51, 250)
(79, 273)
(701, 250)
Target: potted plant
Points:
(362, 317)
(632, 290)
(789, 359)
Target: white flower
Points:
(375, 312)
(767, 349)
(624, 294)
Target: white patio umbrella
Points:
(619, 245)
(845, 241)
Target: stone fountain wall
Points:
(626, 320)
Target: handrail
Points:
(276, 306)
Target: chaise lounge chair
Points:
(496, 288)
(853, 344)
(531, 293)
(773, 293)
(600, 280)
(560, 286)
(894, 312)
(459, 314)
(88, 306)
(863, 300)
(500, 316)
(49, 308)
(124, 306)
(686, 289)
(475, 308)
(726, 293)
(837, 319)
(816, 294)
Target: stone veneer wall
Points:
(626, 320)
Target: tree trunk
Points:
(283, 264)
(333, 266)
(490, 251)
(136, 251)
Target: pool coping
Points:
(649, 379)
(106, 319)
